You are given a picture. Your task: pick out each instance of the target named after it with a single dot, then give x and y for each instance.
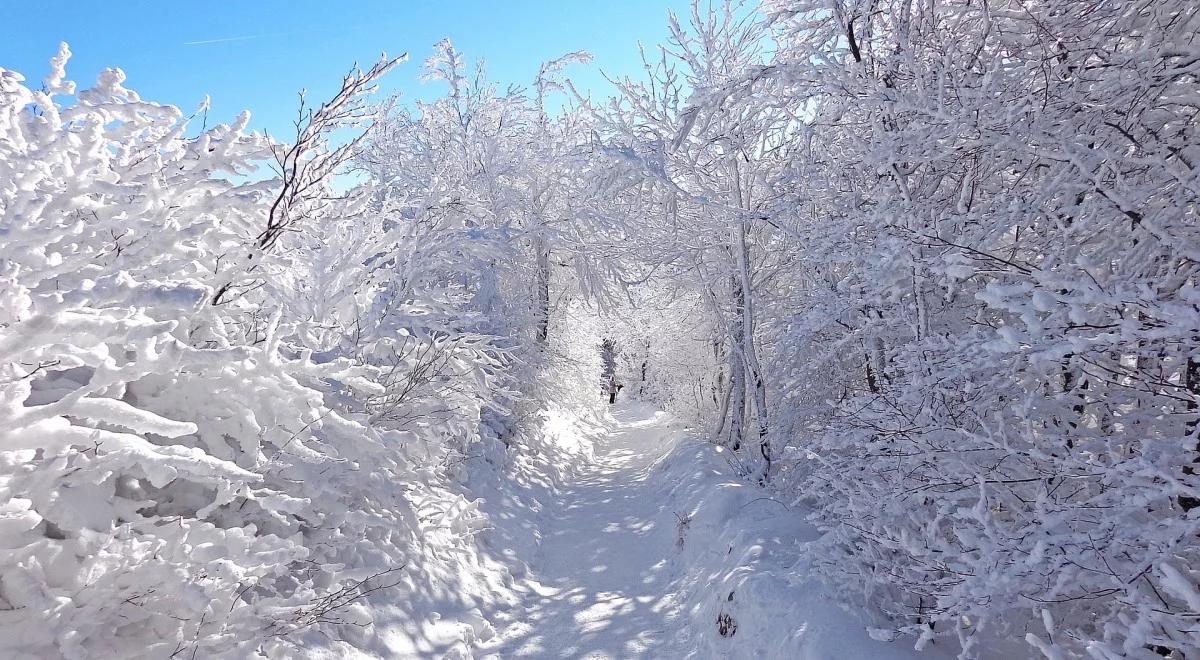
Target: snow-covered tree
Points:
(698, 146)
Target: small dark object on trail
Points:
(726, 625)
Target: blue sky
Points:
(257, 54)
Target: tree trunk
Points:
(1191, 428)
(541, 290)
(718, 389)
(737, 366)
(876, 360)
(720, 393)
(744, 313)
(608, 370)
(750, 352)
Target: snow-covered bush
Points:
(1002, 204)
(187, 463)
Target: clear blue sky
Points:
(260, 53)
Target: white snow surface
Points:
(633, 536)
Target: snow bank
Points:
(744, 579)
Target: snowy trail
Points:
(601, 581)
(615, 575)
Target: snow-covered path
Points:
(600, 587)
(648, 541)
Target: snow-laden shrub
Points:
(996, 376)
(178, 475)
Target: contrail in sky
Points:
(222, 40)
(248, 37)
